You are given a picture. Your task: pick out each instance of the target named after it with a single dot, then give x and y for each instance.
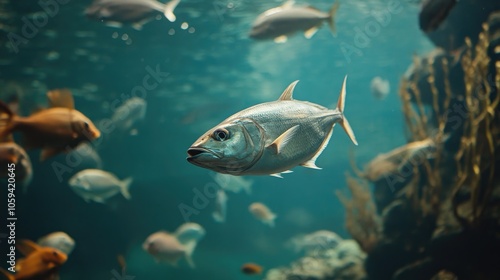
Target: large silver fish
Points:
(280, 22)
(270, 138)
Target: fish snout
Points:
(96, 133)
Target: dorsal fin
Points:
(288, 4)
(288, 93)
(27, 247)
(61, 98)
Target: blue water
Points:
(212, 73)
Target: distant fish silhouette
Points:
(136, 12)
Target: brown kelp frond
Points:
(362, 222)
(415, 122)
(478, 153)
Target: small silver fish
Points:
(262, 213)
(270, 138)
(280, 22)
(233, 183)
(189, 232)
(129, 113)
(136, 12)
(380, 88)
(59, 240)
(171, 247)
(98, 185)
(219, 213)
(165, 247)
(87, 157)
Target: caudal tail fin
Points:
(125, 187)
(169, 10)
(343, 122)
(331, 18)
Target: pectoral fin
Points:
(310, 32)
(283, 139)
(61, 98)
(280, 39)
(169, 10)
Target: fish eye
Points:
(55, 253)
(86, 124)
(221, 134)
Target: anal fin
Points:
(278, 175)
(280, 39)
(311, 163)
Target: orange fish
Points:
(41, 263)
(251, 269)
(54, 129)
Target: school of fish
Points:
(270, 138)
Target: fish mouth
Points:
(196, 152)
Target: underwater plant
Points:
(439, 195)
(362, 221)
